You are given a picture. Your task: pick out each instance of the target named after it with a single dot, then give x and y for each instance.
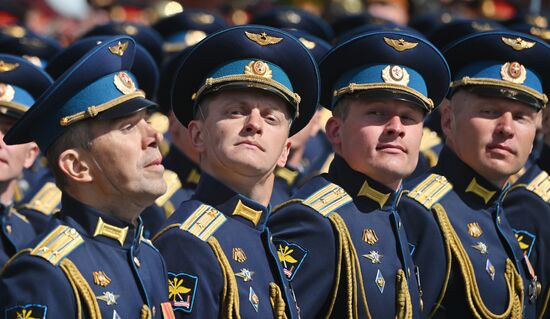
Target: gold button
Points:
(8, 229)
(154, 310)
(136, 261)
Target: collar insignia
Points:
(262, 39)
(247, 213)
(373, 194)
(474, 230)
(518, 44)
(400, 44)
(479, 190)
(6, 67)
(110, 231)
(513, 72)
(119, 48)
(369, 236)
(101, 279)
(396, 75)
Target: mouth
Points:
(157, 162)
(391, 148)
(501, 147)
(251, 143)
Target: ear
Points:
(75, 167)
(333, 130)
(281, 162)
(447, 117)
(195, 131)
(32, 153)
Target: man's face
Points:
(494, 136)
(379, 138)
(244, 133)
(126, 160)
(14, 158)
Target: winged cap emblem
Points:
(518, 44)
(262, 39)
(6, 67)
(119, 48)
(400, 44)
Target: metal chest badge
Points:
(291, 256)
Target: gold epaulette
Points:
(173, 183)
(203, 222)
(429, 139)
(540, 185)
(328, 199)
(46, 200)
(430, 190)
(289, 176)
(58, 244)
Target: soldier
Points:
(340, 240)
(471, 265)
(21, 83)
(239, 105)
(93, 262)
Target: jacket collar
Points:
(232, 204)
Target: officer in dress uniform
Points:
(470, 263)
(44, 199)
(239, 105)
(340, 240)
(93, 262)
(21, 83)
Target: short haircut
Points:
(341, 109)
(78, 135)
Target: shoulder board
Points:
(46, 200)
(328, 199)
(540, 185)
(430, 190)
(58, 244)
(203, 222)
(173, 183)
(20, 216)
(429, 139)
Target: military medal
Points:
(535, 287)
(245, 274)
(490, 269)
(101, 279)
(239, 255)
(109, 297)
(253, 298)
(481, 247)
(474, 230)
(369, 236)
(380, 281)
(374, 257)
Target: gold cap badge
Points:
(262, 39)
(7, 92)
(395, 74)
(124, 83)
(6, 67)
(119, 48)
(518, 44)
(259, 68)
(513, 72)
(400, 44)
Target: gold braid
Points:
(277, 301)
(230, 294)
(475, 302)
(404, 304)
(145, 312)
(81, 287)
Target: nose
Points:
(394, 126)
(151, 137)
(505, 125)
(253, 123)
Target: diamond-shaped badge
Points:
(380, 281)
(253, 298)
(490, 269)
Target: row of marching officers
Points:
(460, 241)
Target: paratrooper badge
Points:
(291, 256)
(526, 241)
(181, 291)
(31, 311)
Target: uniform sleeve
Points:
(427, 249)
(195, 281)
(30, 287)
(312, 277)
